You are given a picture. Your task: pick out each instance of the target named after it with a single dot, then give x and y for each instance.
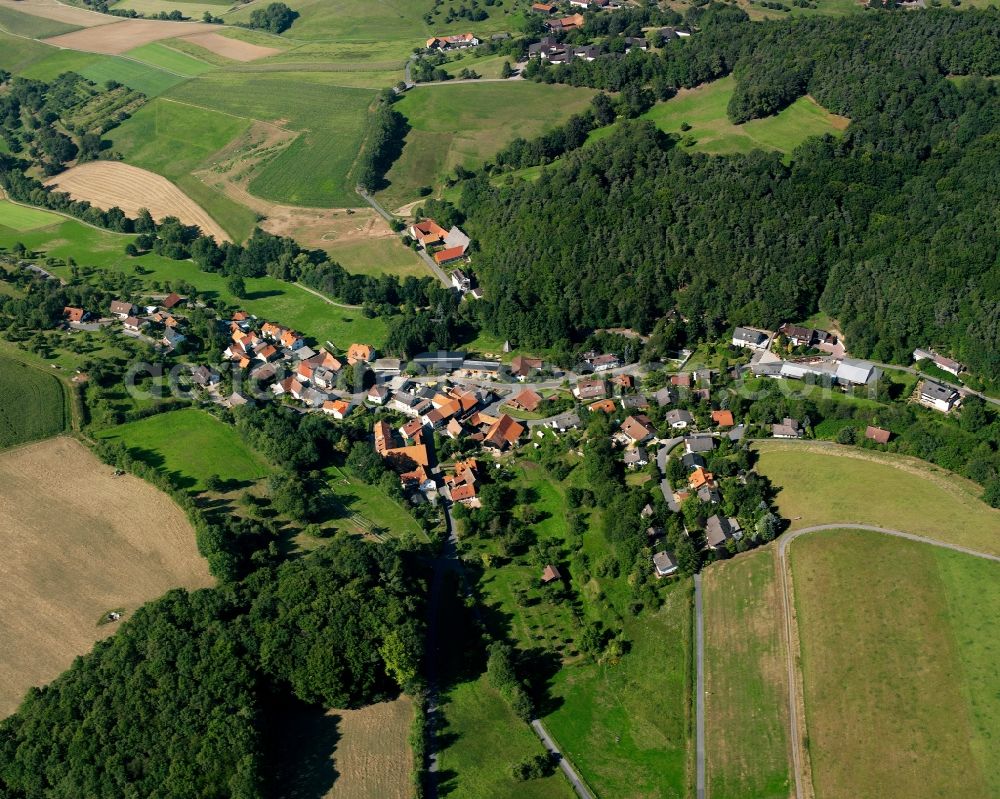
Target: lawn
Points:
(900, 646)
(32, 405)
(362, 508)
(829, 484)
(22, 218)
(31, 26)
(60, 61)
(17, 54)
(315, 169)
(146, 78)
(385, 256)
(269, 298)
(174, 140)
(626, 726)
(192, 446)
(165, 57)
(746, 688)
(466, 124)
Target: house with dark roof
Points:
(932, 394)
(590, 389)
(679, 419)
(664, 564)
(636, 458)
(564, 421)
(750, 338)
(719, 530)
(665, 396)
(699, 444)
(789, 428)
(122, 309)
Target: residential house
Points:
(453, 42)
(664, 563)
(204, 376)
(449, 255)
(268, 353)
(634, 402)
(466, 495)
(133, 324)
(638, 429)
(877, 434)
(699, 444)
(603, 363)
(635, 43)
(625, 381)
(503, 433)
(719, 529)
(700, 477)
(692, 461)
(605, 406)
(427, 232)
(564, 421)
(527, 400)
(750, 338)
(522, 366)
(665, 396)
(590, 389)
(122, 309)
(941, 362)
(172, 339)
(570, 23)
(799, 336)
(338, 408)
(544, 8)
(937, 395)
(378, 394)
(679, 419)
(171, 301)
(460, 281)
(709, 494)
(636, 458)
(550, 574)
(75, 315)
(360, 353)
(723, 418)
(681, 381)
(387, 366)
(789, 428)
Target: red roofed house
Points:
(449, 255)
(877, 434)
(451, 42)
(543, 8)
(638, 429)
(700, 477)
(338, 409)
(606, 405)
(74, 314)
(171, 301)
(527, 400)
(427, 232)
(522, 366)
(466, 494)
(503, 433)
(360, 353)
(550, 574)
(723, 418)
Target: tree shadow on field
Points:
(300, 750)
(263, 295)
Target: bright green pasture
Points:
(267, 297)
(174, 140)
(704, 109)
(150, 80)
(17, 54)
(31, 26)
(31, 403)
(377, 256)
(627, 726)
(59, 61)
(900, 645)
(465, 124)
(191, 445)
(22, 218)
(166, 58)
(315, 169)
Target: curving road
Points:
(794, 699)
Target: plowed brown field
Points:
(110, 183)
(119, 37)
(231, 48)
(78, 542)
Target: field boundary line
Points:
(227, 113)
(804, 788)
(699, 691)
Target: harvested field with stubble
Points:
(231, 48)
(120, 37)
(346, 754)
(110, 183)
(77, 543)
(59, 12)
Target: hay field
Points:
(900, 651)
(78, 542)
(32, 405)
(231, 48)
(346, 754)
(59, 12)
(746, 685)
(120, 37)
(110, 183)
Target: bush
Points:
(533, 768)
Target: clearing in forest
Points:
(106, 184)
(78, 542)
(900, 645)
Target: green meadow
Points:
(31, 403)
(22, 218)
(32, 26)
(174, 140)
(192, 445)
(267, 297)
(315, 169)
(160, 55)
(465, 124)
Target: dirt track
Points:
(127, 34)
(78, 542)
(110, 183)
(231, 48)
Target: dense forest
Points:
(891, 229)
(199, 673)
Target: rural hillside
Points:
(497, 398)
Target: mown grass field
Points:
(746, 690)
(32, 404)
(315, 169)
(900, 646)
(146, 78)
(267, 297)
(704, 109)
(826, 485)
(465, 124)
(355, 498)
(167, 58)
(174, 140)
(17, 54)
(31, 26)
(377, 256)
(192, 446)
(627, 726)
(22, 219)
(78, 542)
